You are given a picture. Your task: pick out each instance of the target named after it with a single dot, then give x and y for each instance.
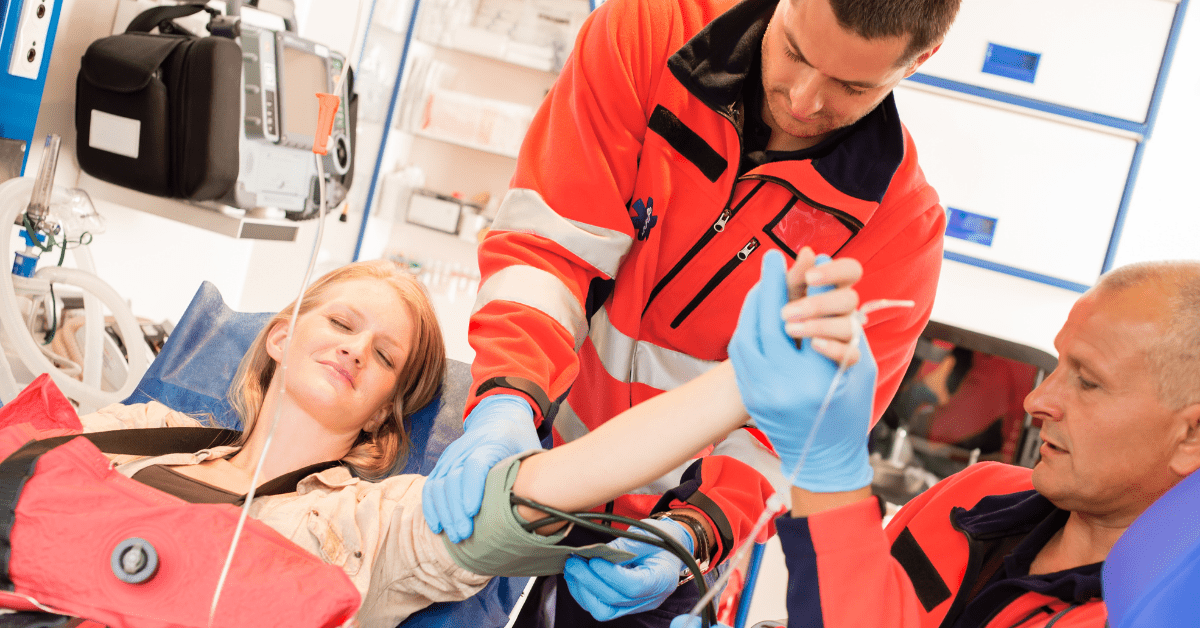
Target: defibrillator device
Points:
(281, 71)
(223, 119)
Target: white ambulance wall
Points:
(1163, 221)
(156, 263)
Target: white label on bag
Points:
(115, 134)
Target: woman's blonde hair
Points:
(374, 454)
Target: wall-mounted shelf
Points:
(503, 54)
(463, 144)
(229, 222)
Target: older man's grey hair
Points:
(1176, 355)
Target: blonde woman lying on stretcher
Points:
(366, 352)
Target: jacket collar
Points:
(716, 62)
(1003, 515)
(1032, 516)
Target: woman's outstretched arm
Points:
(636, 447)
(657, 435)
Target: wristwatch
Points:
(703, 551)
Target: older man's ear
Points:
(1187, 453)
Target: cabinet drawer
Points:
(1100, 56)
(1030, 192)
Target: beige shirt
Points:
(375, 531)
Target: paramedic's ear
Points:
(921, 58)
(275, 340)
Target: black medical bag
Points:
(159, 113)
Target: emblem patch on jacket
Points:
(643, 217)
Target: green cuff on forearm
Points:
(499, 546)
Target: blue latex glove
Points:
(498, 427)
(783, 388)
(608, 591)
(691, 621)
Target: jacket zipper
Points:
(717, 227)
(716, 281)
(853, 224)
(974, 563)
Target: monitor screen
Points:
(304, 74)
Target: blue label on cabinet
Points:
(1012, 63)
(970, 227)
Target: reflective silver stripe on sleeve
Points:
(526, 211)
(614, 348)
(740, 445)
(665, 369)
(568, 424)
(642, 361)
(668, 481)
(743, 446)
(539, 290)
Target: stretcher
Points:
(193, 372)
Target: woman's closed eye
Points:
(338, 324)
(383, 357)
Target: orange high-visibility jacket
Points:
(939, 561)
(620, 257)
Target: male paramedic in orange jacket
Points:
(683, 139)
(995, 545)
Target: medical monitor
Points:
(303, 72)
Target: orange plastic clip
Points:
(329, 107)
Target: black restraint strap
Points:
(931, 589)
(286, 483)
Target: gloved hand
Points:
(498, 427)
(608, 591)
(691, 621)
(783, 387)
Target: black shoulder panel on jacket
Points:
(930, 587)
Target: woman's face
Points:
(347, 354)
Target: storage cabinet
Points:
(1099, 56)
(1034, 193)
(1030, 122)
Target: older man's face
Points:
(1108, 437)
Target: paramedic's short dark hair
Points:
(925, 22)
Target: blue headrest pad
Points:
(1152, 575)
(193, 371)
(440, 422)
